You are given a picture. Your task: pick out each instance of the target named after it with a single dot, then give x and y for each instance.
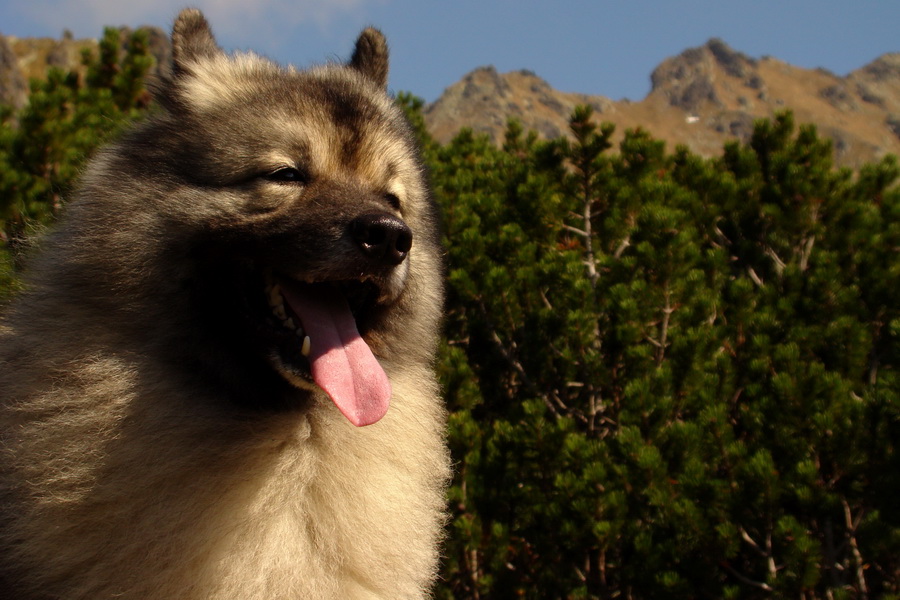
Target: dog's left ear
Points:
(371, 56)
(192, 40)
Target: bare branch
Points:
(763, 552)
(667, 311)
(520, 370)
(575, 230)
(770, 554)
(622, 247)
(779, 264)
(757, 584)
(550, 399)
(546, 300)
(652, 341)
(723, 239)
(806, 252)
(852, 524)
(754, 277)
(746, 537)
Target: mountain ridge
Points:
(703, 97)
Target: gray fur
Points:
(157, 439)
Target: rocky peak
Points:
(691, 80)
(484, 100)
(884, 68)
(878, 84)
(735, 64)
(484, 84)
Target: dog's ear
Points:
(192, 40)
(371, 56)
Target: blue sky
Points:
(599, 47)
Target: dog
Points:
(218, 382)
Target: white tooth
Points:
(289, 323)
(305, 349)
(279, 312)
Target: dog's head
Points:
(292, 213)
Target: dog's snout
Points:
(382, 237)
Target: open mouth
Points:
(361, 297)
(318, 342)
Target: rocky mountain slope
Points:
(701, 98)
(22, 59)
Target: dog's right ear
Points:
(370, 57)
(192, 40)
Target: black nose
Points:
(382, 237)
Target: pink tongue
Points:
(340, 361)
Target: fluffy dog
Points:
(218, 382)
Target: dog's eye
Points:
(287, 175)
(393, 200)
